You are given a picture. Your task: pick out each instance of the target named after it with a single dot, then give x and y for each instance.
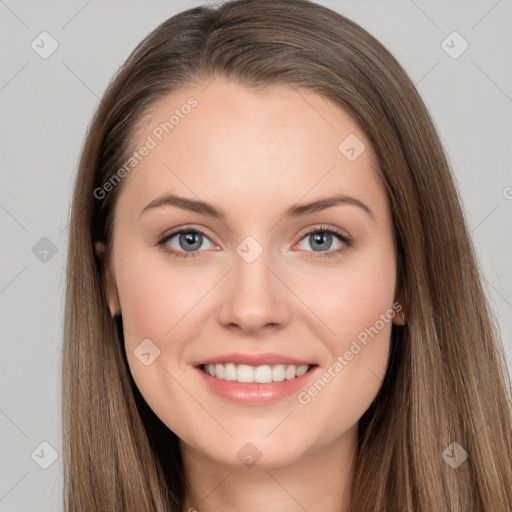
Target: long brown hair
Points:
(446, 380)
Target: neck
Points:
(319, 480)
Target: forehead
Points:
(249, 148)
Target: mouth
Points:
(255, 379)
(262, 374)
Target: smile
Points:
(263, 374)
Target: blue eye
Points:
(186, 242)
(321, 240)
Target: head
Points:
(258, 129)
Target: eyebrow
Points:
(297, 210)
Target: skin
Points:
(253, 154)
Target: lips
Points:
(254, 360)
(251, 392)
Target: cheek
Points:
(353, 296)
(154, 306)
(156, 296)
(357, 304)
(160, 301)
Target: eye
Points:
(322, 239)
(185, 242)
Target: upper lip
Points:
(254, 359)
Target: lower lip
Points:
(255, 393)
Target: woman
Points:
(273, 301)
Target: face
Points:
(257, 285)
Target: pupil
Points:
(190, 240)
(323, 240)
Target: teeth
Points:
(291, 371)
(218, 371)
(245, 373)
(278, 373)
(261, 374)
(230, 372)
(301, 370)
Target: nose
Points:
(254, 299)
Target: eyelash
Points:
(347, 240)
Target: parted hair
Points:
(446, 379)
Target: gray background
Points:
(46, 105)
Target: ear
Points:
(108, 280)
(399, 309)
